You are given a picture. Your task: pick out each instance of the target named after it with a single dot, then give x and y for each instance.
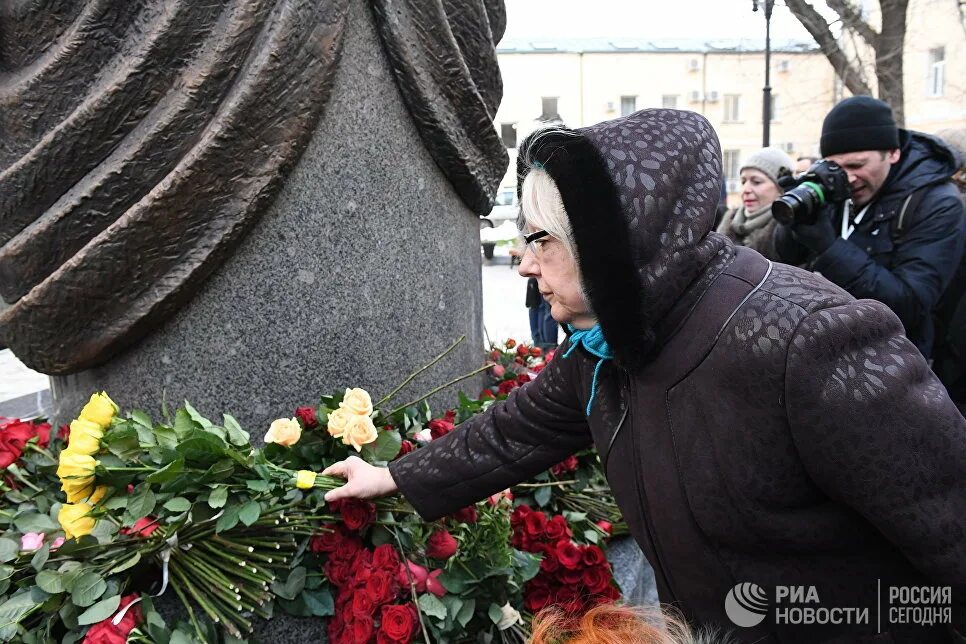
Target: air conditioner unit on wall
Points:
(712, 97)
(695, 96)
(694, 65)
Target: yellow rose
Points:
(360, 431)
(101, 409)
(76, 491)
(98, 494)
(305, 479)
(357, 401)
(284, 431)
(337, 423)
(76, 467)
(75, 520)
(85, 437)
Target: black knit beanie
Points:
(859, 123)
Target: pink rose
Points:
(434, 585)
(31, 541)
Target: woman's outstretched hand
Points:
(363, 481)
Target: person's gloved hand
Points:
(819, 236)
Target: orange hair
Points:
(609, 623)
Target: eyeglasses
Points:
(531, 239)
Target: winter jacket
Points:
(760, 239)
(907, 272)
(757, 423)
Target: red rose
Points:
(356, 513)
(605, 526)
(441, 545)
(549, 564)
(362, 627)
(570, 577)
(568, 554)
(418, 574)
(43, 434)
(382, 587)
(596, 580)
(486, 394)
(535, 524)
(450, 416)
(498, 370)
(550, 355)
(14, 434)
(404, 448)
(519, 514)
(63, 433)
(307, 416)
(537, 368)
(399, 623)
(337, 570)
(506, 387)
(385, 558)
(106, 632)
(523, 379)
(536, 599)
(593, 556)
(143, 527)
(434, 585)
(439, 428)
(510, 343)
(327, 541)
(565, 466)
(519, 361)
(494, 355)
(523, 350)
(362, 606)
(536, 351)
(466, 515)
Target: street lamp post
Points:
(766, 90)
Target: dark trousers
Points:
(543, 328)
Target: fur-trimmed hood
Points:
(640, 192)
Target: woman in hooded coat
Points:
(757, 424)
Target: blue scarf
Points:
(594, 342)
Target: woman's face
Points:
(757, 190)
(547, 260)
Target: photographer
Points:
(902, 241)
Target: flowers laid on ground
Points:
(513, 364)
(132, 507)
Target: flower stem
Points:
(408, 380)
(440, 388)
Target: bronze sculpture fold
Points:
(141, 140)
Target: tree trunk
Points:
(888, 56)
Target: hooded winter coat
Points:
(907, 271)
(757, 423)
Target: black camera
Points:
(825, 182)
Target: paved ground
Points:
(504, 316)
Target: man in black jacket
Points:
(904, 239)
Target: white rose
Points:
(357, 401)
(284, 431)
(360, 431)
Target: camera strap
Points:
(848, 222)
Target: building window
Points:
(670, 101)
(628, 105)
(937, 71)
(549, 106)
(773, 114)
(508, 132)
(731, 165)
(732, 107)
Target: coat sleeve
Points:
(877, 431)
(537, 426)
(787, 249)
(924, 260)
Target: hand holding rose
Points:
(364, 481)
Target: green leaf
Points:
(257, 485)
(228, 520)
(8, 550)
(141, 503)
(320, 602)
(218, 472)
(527, 565)
(430, 605)
(123, 443)
(35, 523)
(495, 613)
(50, 581)
(178, 504)
(195, 416)
(218, 497)
(249, 513)
(236, 435)
(86, 589)
(141, 418)
(166, 437)
(453, 605)
(116, 503)
(201, 447)
(11, 612)
(466, 612)
(124, 565)
(386, 446)
(99, 611)
(40, 557)
(591, 536)
(542, 496)
(293, 585)
(454, 580)
(168, 472)
(183, 424)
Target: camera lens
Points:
(798, 206)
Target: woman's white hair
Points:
(541, 207)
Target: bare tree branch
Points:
(819, 29)
(853, 20)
